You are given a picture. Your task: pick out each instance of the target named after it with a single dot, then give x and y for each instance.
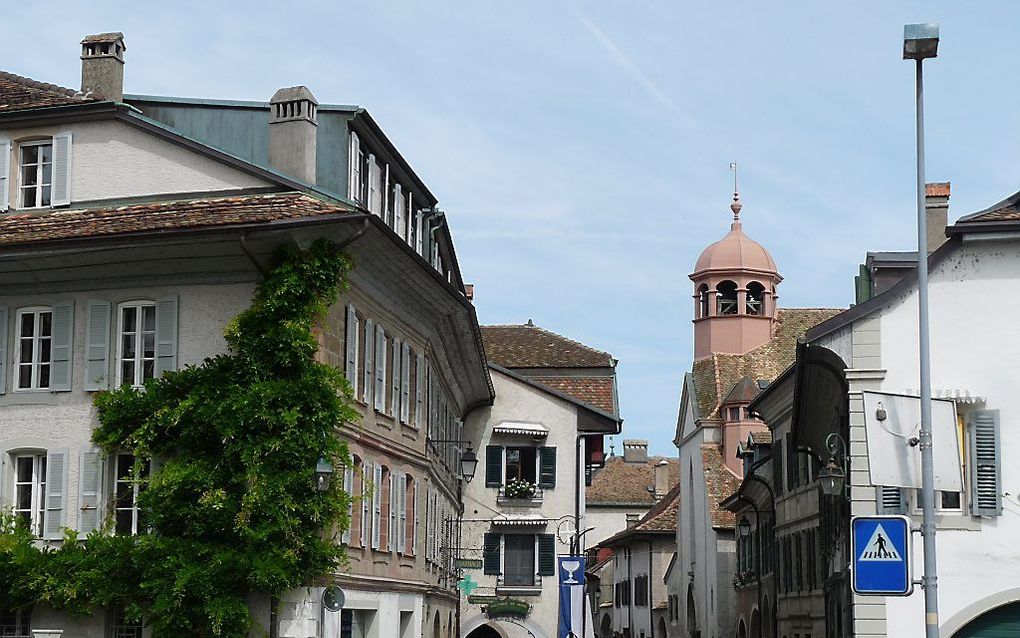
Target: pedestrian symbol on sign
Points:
(879, 548)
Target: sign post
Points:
(881, 556)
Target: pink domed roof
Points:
(735, 251)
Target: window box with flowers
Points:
(520, 489)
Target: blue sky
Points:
(581, 149)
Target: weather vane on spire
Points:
(736, 205)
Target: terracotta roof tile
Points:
(17, 93)
(528, 346)
(597, 391)
(761, 437)
(57, 224)
(662, 517)
(625, 483)
(936, 189)
(720, 483)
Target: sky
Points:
(581, 149)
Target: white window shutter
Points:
(366, 391)
(395, 377)
(97, 345)
(405, 383)
(56, 495)
(5, 173)
(414, 507)
(391, 506)
(354, 178)
(90, 494)
(373, 186)
(351, 347)
(60, 194)
(349, 489)
(62, 346)
(402, 514)
(419, 391)
(376, 506)
(166, 335)
(4, 323)
(985, 464)
(366, 502)
(419, 232)
(380, 369)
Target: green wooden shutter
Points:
(63, 346)
(890, 500)
(546, 554)
(4, 314)
(546, 467)
(166, 335)
(493, 465)
(985, 464)
(490, 555)
(97, 345)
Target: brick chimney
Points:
(292, 132)
(635, 451)
(102, 65)
(661, 479)
(936, 208)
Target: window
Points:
(35, 174)
(520, 464)
(35, 342)
(733, 414)
(703, 300)
(29, 490)
(944, 501)
(129, 519)
(123, 627)
(16, 623)
(726, 298)
(755, 298)
(136, 353)
(519, 560)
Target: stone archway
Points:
(1001, 621)
(742, 630)
(485, 631)
(756, 629)
(437, 627)
(606, 628)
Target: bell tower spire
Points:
(736, 205)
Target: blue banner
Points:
(571, 579)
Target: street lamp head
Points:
(744, 527)
(323, 474)
(831, 478)
(468, 464)
(920, 41)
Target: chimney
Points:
(102, 65)
(469, 291)
(661, 479)
(292, 137)
(635, 451)
(936, 209)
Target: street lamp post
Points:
(921, 41)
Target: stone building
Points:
(134, 228)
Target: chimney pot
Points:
(635, 451)
(661, 479)
(293, 115)
(102, 65)
(936, 209)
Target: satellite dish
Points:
(333, 598)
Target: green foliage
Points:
(233, 507)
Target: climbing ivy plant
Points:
(232, 509)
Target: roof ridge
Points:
(43, 86)
(547, 331)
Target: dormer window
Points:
(36, 174)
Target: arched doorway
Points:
(1001, 621)
(756, 624)
(485, 631)
(661, 631)
(766, 629)
(742, 630)
(606, 629)
(437, 627)
(692, 615)
(449, 627)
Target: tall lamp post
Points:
(921, 41)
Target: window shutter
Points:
(546, 554)
(402, 513)
(380, 369)
(490, 555)
(890, 500)
(353, 190)
(349, 490)
(376, 506)
(366, 502)
(61, 190)
(395, 377)
(777, 465)
(90, 472)
(63, 344)
(419, 391)
(493, 465)
(366, 391)
(166, 335)
(985, 464)
(4, 314)
(97, 345)
(546, 467)
(392, 501)
(351, 347)
(405, 383)
(56, 493)
(414, 532)
(5, 171)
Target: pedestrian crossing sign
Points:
(880, 546)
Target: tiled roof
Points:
(625, 483)
(597, 391)
(112, 36)
(57, 224)
(761, 437)
(528, 346)
(937, 189)
(717, 375)
(662, 517)
(745, 390)
(720, 483)
(17, 93)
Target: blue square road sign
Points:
(881, 552)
